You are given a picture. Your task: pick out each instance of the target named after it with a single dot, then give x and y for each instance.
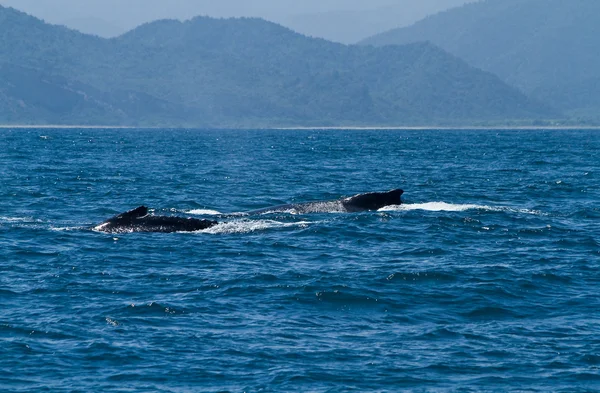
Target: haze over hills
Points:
(350, 25)
(237, 72)
(345, 21)
(550, 49)
(93, 25)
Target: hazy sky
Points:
(341, 20)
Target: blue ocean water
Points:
(485, 279)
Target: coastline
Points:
(445, 128)
(28, 126)
(332, 128)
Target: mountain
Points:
(238, 73)
(29, 94)
(35, 97)
(547, 48)
(339, 20)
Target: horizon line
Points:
(288, 128)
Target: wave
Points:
(246, 226)
(451, 207)
(79, 228)
(18, 219)
(433, 207)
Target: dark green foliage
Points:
(550, 49)
(238, 73)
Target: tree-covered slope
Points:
(37, 97)
(550, 49)
(41, 98)
(238, 72)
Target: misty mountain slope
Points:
(29, 42)
(248, 72)
(549, 49)
(34, 96)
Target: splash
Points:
(247, 226)
(65, 229)
(435, 207)
(451, 207)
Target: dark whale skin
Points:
(138, 220)
(373, 200)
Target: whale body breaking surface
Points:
(357, 203)
(139, 219)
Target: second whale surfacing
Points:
(138, 220)
(357, 203)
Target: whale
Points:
(357, 203)
(139, 220)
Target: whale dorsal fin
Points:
(396, 193)
(373, 200)
(135, 213)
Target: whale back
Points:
(138, 220)
(373, 200)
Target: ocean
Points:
(486, 278)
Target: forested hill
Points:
(550, 49)
(237, 73)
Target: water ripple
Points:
(485, 279)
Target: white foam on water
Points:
(433, 207)
(246, 226)
(203, 212)
(18, 219)
(522, 211)
(97, 229)
(274, 211)
(61, 229)
(451, 207)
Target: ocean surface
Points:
(487, 278)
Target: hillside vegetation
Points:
(238, 73)
(549, 49)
